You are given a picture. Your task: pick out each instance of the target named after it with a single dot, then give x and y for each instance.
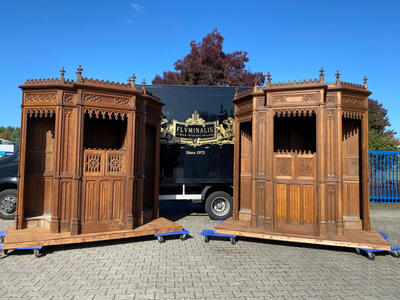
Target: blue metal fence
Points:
(384, 176)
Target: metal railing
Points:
(384, 176)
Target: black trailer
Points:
(197, 146)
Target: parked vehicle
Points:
(8, 185)
(197, 146)
(196, 150)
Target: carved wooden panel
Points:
(281, 203)
(351, 199)
(67, 157)
(245, 165)
(243, 108)
(295, 98)
(331, 202)
(65, 200)
(283, 166)
(40, 97)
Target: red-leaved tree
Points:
(207, 64)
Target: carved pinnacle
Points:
(62, 72)
(79, 73)
(365, 82)
(321, 74)
(269, 78)
(337, 74)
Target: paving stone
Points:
(252, 269)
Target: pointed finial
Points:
(133, 81)
(236, 91)
(337, 74)
(62, 72)
(144, 86)
(365, 82)
(255, 83)
(79, 73)
(269, 78)
(321, 74)
(129, 80)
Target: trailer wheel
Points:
(206, 239)
(160, 239)
(371, 256)
(219, 205)
(183, 237)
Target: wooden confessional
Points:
(89, 162)
(301, 164)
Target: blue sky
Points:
(113, 39)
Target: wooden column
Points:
(77, 179)
(269, 186)
(339, 164)
(321, 203)
(21, 170)
(130, 161)
(254, 157)
(236, 170)
(364, 173)
(157, 169)
(58, 139)
(141, 138)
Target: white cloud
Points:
(137, 7)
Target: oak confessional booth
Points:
(301, 164)
(89, 163)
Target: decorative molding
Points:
(287, 112)
(331, 99)
(260, 101)
(244, 108)
(261, 185)
(111, 114)
(121, 101)
(278, 99)
(283, 166)
(330, 115)
(91, 98)
(353, 115)
(67, 98)
(311, 97)
(305, 167)
(261, 116)
(40, 112)
(41, 97)
(348, 100)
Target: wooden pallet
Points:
(351, 238)
(37, 236)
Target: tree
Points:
(207, 64)
(380, 138)
(10, 133)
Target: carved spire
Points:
(236, 91)
(133, 81)
(129, 81)
(255, 84)
(269, 78)
(365, 82)
(144, 86)
(79, 73)
(62, 72)
(321, 74)
(337, 74)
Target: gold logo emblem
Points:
(195, 131)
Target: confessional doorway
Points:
(104, 165)
(245, 170)
(294, 170)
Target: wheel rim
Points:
(220, 206)
(8, 205)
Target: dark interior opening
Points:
(148, 199)
(295, 133)
(104, 133)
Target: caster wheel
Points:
(371, 256)
(160, 239)
(233, 241)
(395, 254)
(358, 251)
(36, 252)
(206, 239)
(183, 237)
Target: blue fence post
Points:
(384, 178)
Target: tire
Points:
(8, 204)
(219, 205)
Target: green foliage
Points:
(10, 133)
(380, 138)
